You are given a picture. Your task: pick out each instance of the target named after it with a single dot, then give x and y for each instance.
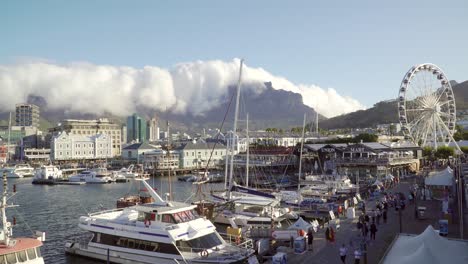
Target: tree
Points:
(365, 137)
(427, 151)
(464, 149)
(444, 152)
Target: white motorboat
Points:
(158, 232)
(98, 175)
(47, 174)
(19, 171)
(127, 172)
(17, 249)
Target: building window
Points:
(60, 153)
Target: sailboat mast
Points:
(8, 147)
(300, 155)
(5, 224)
(168, 159)
(316, 124)
(248, 154)
(236, 114)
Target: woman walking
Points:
(310, 239)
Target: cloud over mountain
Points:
(194, 87)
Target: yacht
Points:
(127, 172)
(47, 174)
(158, 232)
(251, 208)
(19, 171)
(98, 175)
(17, 249)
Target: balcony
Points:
(375, 161)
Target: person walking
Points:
(327, 234)
(332, 235)
(366, 229)
(378, 216)
(357, 256)
(373, 230)
(310, 239)
(343, 252)
(384, 216)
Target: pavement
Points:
(326, 253)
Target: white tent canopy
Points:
(389, 177)
(426, 248)
(300, 224)
(441, 178)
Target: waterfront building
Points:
(160, 159)
(363, 160)
(196, 155)
(93, 127)
(37, 155)
(135, 152)
(27, 115)
(136, 129)
(65, 146)
(269, 156)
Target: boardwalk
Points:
(328, 253)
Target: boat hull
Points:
(118, 256)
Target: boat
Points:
(19, 171)
(158, 232)
(97, 175)
(17, 249)
(47, 174)
(127, 172)
(119, 177)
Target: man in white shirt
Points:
(357, 256)
(343, 252)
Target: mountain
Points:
(386, 111)
(267, 108)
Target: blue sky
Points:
(362, 49)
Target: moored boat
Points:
(158, 232)
(17, 249)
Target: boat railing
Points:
(244, 247)
(106, 211)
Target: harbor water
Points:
(56, 209)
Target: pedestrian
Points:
(327, 234)
(357, 256)
(366, 229)
(340, 211)
(343, 252)
(332, 235)
(384, 216)
(367, 218)
(378, 217)
(373, 230)
(310, 239)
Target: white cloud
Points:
(194, 87)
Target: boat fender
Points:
(147, 222)
(238, 240)
(204, 253)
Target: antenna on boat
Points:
(236, 114)
(9, 132)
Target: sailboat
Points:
(249, 207)
(17, 249)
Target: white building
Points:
(153, 130)
(78, 147)
(94, 127)
(196, 155)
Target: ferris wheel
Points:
(426, 106)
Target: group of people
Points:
(344, 252)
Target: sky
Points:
(355, 52)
